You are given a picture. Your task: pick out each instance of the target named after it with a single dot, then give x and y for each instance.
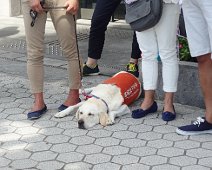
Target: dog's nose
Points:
(81, 124)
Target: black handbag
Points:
(143, 14)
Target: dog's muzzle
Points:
(81, 124)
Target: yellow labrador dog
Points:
(106, 101)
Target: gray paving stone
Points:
(174, 137)
(17, 154)
(153, 160)
(2, 151)
(124, 135)
(195, 167)
(109, 141)
(23, 164)
(50, 165)
(199, 153)
(57, 139)
(70, 157)
(149, 136)
(99, 133)
(89, 149)
(183, 161)
(97, 158)
(14, 145)
(20, 124)
(32, 138)
(130, 121)
(143, 151)
(67, 125)
(165, 167)
(206, 162)
(75, 132)
(9, 137)
(116, 127)
(115, 150)
(140, 128)
(44, 124)
(186, 144)
(135, 167)
(3, 115)
(132, 143)
(17, 117)
(43, 156)
(27, 130)
(6, 168)
(82, 140)
(51, 131)
(78, 166)
(164, 129)
(4, 162)
(160, 143)
(207, 145)
(64, 147)
(202, 138)
(170, 152)
(106, 166)
(38, 146)
(7, 100)
(4, 122)
(7, 129)
(154, 122)
(125, 159)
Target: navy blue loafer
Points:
(36, 114)
(63, 107)
(139, 113)
(169, 116)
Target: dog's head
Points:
(90, 114)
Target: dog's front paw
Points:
(110, 122)
(60, 115)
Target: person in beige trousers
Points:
(64, 23)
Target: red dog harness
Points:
(129, 85)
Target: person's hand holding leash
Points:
(72, 6)
(36, 6)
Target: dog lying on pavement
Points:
(106, 101)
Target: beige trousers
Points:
(64, 25)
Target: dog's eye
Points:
(90, 114)
(81, 113)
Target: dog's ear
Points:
(77, 114)
(103, 118)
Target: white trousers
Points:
(161, 40)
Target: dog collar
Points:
(91, 95)
(102, 101)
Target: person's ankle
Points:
(38, 106)
(146, 104)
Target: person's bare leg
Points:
(38, 103)
(148, 99)
(91, 62)
(168, 102)
(205, 76)
(73, 97)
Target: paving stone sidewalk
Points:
(49, 143)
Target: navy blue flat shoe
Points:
(36, 114)
(63, 107)
(139, 113)
(169, 116)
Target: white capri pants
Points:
(161, 40)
